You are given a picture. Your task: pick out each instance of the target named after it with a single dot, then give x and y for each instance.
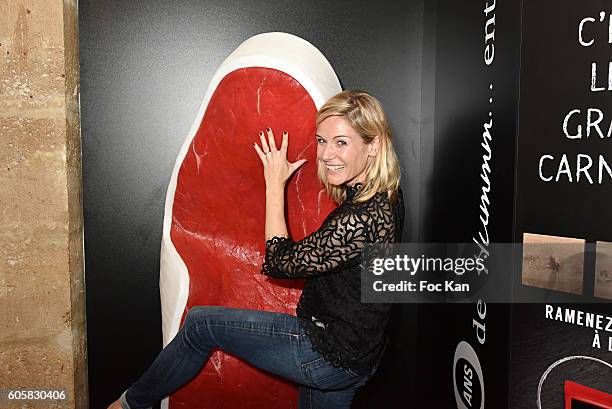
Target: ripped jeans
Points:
(274, 342)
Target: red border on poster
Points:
(575, 391)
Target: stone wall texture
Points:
(42, 288)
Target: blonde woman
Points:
(335, 343)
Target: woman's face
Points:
(342, 152)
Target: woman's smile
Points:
(334, 168)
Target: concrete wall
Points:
(42, 298)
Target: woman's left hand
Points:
(277, 169)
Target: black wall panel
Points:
(145, 66)
(556, 87)
(469, 92)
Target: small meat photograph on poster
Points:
(553, 262)
(603, 270)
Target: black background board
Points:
(145, 67)
(554, 79)
(461, 107)
(537, 343)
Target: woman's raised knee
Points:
(199, 316)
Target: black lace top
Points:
(342, 329)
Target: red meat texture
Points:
(218, 222)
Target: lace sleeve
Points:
(335, 246)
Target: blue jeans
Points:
(271, 341)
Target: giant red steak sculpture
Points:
(213, 243)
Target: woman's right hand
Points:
(277, 169)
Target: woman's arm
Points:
(275, 213)
(335, 246)
(276, 172)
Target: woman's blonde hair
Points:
(366, 116)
